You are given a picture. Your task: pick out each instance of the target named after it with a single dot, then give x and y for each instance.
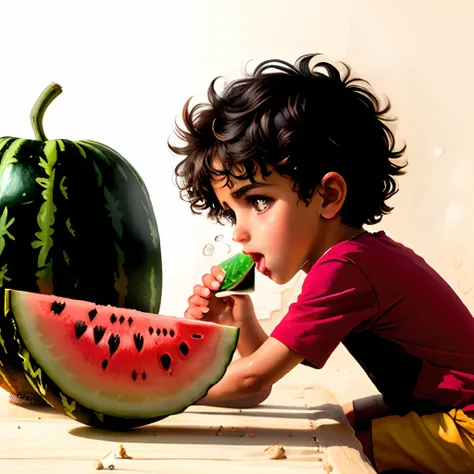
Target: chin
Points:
(280, 280)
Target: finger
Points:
(210, 281)
(218, 273)
(201, 291)
(196, 312)
(196, 300)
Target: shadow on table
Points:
(45, 409)
(254, 413)
(213, 432)
(214, 435)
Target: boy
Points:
(299, 159)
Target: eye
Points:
(260, 203)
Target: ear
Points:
(333, 190)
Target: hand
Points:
(204, 305)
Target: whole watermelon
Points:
(76, 220)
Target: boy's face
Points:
(281, 233)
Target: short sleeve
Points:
(335, 299)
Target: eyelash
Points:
(253, 201)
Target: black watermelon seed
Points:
(99, 332)
(165, 360)
(113, 318)
(134, 375)
(80, 328)
(183, 347)
(165, 332)
(196, 336)
(150, 330)
(172, 332)
(130, 321)
(158, 331)
(122, 319)
(143, 376)
(138, 340)
(92, 314)
(105, 363)
(57, 308)
(114, 342)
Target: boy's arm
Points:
(254, 374)
(251, 337)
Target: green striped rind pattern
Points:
(76, 220)
(131, 215)
(45, 219)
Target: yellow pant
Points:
(439, 443)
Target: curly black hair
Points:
(303, 121)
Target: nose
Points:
(240, 234)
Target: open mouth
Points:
(259, 260)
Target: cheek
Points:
(291, 231)
(277, 228)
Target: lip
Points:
(254, 256)
(259, 260)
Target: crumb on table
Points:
(275, 451)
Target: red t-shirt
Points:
(401, 321)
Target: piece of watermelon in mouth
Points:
(239, 277)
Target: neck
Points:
(334, 235)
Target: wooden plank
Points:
(334, 434)
(202, 439)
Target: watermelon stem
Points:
(38, 110)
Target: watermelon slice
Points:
(239, 275)
(112, 367)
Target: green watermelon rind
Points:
(55, 254)
(82, 413)
(51, 381)
(236, 269)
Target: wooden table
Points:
(306, 421)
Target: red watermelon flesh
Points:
(121, 362)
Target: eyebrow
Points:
(238, 193)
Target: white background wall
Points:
(127, 68)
